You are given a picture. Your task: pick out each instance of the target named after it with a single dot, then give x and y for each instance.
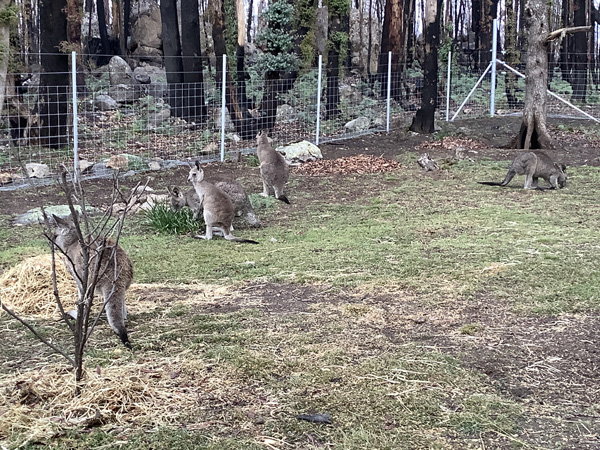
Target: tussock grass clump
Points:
(27, 288)
(162, 218)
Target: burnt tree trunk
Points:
(54, 84)
(104, 42)
(194, 108)
(392, 40)
(249, 127)
(423, 121)
(172, 55)
(580, 53)
(533, 133)
(512, 55)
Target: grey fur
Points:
(115, 273)
(235, 191)
(274, 169)
(218, 209)
(534, 165)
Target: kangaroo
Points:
(534, 165)
(218, 207)
(274, 169)
(112, 285)
(235, 191)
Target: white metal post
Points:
(389, 92)
(448, 86)
(487, 69)
(75, 131)
(494, 55)
(319, 98)
(223, 106)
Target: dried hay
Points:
(27, 287)
(41, 403)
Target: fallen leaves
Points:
(359, 164)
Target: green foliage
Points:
(276, 39)
(308, 50)
(9, 15)
(163, 219)
(253, 161)
(560, 86)
(303, 96)
(339, 7)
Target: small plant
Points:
(259, 202)
(162, 218)
(253, 161)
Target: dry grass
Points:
(27, 288)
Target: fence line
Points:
(138, 114)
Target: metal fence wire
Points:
(133, 116)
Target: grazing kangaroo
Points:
(218, 207)
(115, 272)
(274, 169)
(534, 165)
(235, 191)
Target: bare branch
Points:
(30, 328)
(564, 31)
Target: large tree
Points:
(193, 78)
(392, 40)
(533, 133)
(8, 19)
(423, 121)
(54, 85)
(337, 43)
(172, 54)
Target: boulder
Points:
(148, 54)
(105, 102)
(124, 93)
(37, 170)
(146, 30)
(141, 75)
(125, 161)
(357, 125)
(217, 119)
(119, 72)
(34, 216)
(155, 119)
(302, 151)
(85, 166)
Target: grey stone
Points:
(357, 125)
(147, 29)
(35, 216)
(85, 166)
(105, 102)
(285, 113)
(302, 151)
(158, 91)
(154, 165)
(217, 119)
(148, 54)
(37, 170)
(141, 75)
(157, 118)
(124, 93)
(119, 72)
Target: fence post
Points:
(494, 55)
(75, 131)
(448, 85)
(223, 90)
(389, 93)
(319, 99)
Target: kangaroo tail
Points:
(124, 338)
(231, 237)
(491, 183)
(284, 199)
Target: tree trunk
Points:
(193, 78)
(512, 54)
(4, 53)
(172, 55)
(392, 40)
(332, 105)
(579, 53)
(54, 85)
(105, 51)
(423, 122)
(126, 25)
(249, 127)
(74, 8)
(533, 133)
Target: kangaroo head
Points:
(196, 174)
(65, 232)
(177, 199)
(562, 175)
(261, 138)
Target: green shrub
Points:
(162, 218)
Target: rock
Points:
(302, 151)
(350, 94)
(105, 102)
(85, 166)
(217, 119)
(153, 199)
(141, 75)
(126, 161)
(154, 165)
(146, 30)
(35, 216)
(124, 93)
(378, 122)
(285, 113)
(119, 72)
(7, 178)
(233, 137)
(157, 118)
(211, 149)
(36, 170)
(148, 54)
(357, 125)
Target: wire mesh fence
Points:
(134, 115)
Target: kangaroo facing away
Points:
(115, 272)
(274, 169)
(534, 165)
(235, 191)
(218, 207)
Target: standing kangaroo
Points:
(218, 207)
(274, 169)
(235, 191)
(534, 165)
(115, 272)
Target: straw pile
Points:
(41, 403)
(27, 288)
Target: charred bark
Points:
(194, 108)
(172, 55)
(392, 40)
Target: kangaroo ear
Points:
(197, 164)
(563, 167)
(176, 191)
(59, 222)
